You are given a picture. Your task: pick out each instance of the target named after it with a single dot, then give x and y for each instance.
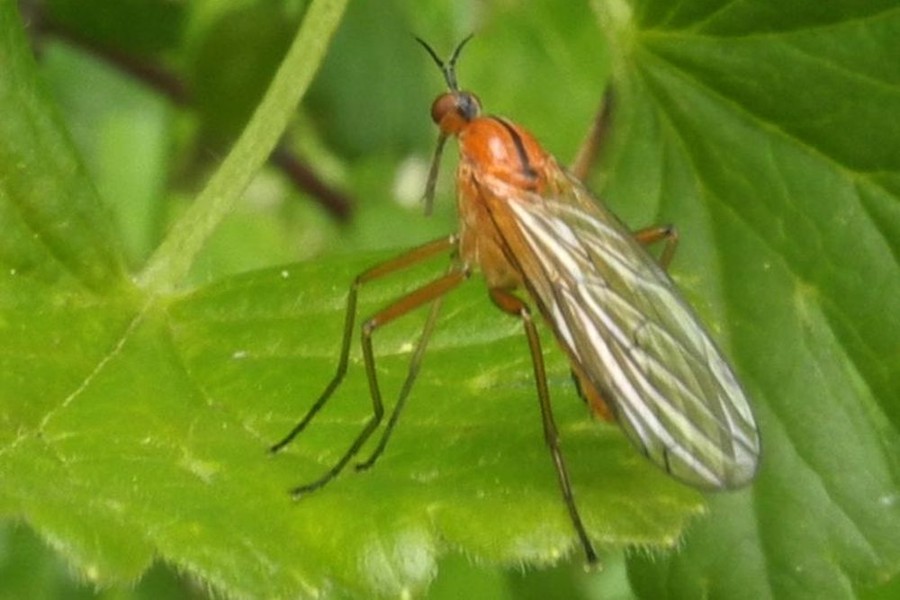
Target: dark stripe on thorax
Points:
(527, 169)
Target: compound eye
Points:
(453, 110)
(442, 106)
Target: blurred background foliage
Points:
(774, 122)
(153, 93)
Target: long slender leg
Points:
(588, 152)
(423, 295)
(512, 305)
(414, 363)
(414, 256)
(651, 235)
(592, 145)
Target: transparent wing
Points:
(619, 315)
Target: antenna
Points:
(448, 68)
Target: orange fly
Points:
(638, 353)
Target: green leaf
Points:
(53, 227)
(134, 422)
(772, 142)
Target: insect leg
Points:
(414, 363)
(512, 305)
(588, 152)
(393, 265)
(651, 235)
(423, 295)
(592, 145)
(590, 395)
